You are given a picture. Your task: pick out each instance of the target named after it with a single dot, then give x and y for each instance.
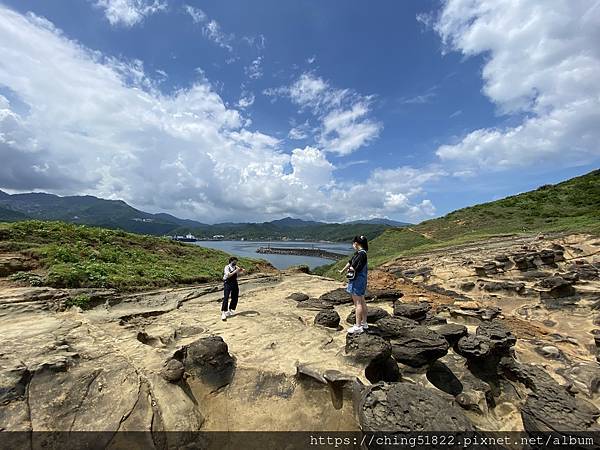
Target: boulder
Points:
(414, 311)
(452, 376)
(549, 407)
(328, 318)
(366, 347)
(495, 286)
(433, 319)
(473, 347)
(373, 315)
(208, 359)
(405, 407)
(386, 294)
(499, 336)
(172, 371)
(417, 346)
(452, 332)
(314, 304)
(298, 296)
(336, 297)
(390, 327)
(383, 370)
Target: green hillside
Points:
(69, 255)
(573, 206)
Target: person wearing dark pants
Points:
(230, 288)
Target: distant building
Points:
(218, 236)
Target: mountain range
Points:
(117, 214)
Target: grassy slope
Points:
(573, 205)
(81, 256)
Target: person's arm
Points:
(345, 267)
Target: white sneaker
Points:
(231, 312)
(224, 315)
(355, 329)
(365, 325)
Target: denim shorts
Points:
(358, 286)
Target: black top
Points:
(358, 260)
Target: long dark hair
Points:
(362, 241)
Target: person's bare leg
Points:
(358, 308)
(363, 307)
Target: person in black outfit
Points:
(230, 287)
(358, 270)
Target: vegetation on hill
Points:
(116, 214)
(75, 256)
(570, 206)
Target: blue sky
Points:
(237, 110)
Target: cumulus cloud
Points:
(345, 119)
(542, 64)
(88, 123)
(129, 12)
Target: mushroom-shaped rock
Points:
(452, 332)
(549, 407)
(328, 318)
(383, 370)
(209, 360)
(405, 407)
(336, 297)
(373, 315)
(298, 296)
(418, 346)
(172, 371)
(366, 347)
(314, 304)
(414, 311)
(390, 327)
(500, 337)
(473, 347)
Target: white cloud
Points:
(246, 100)
(210, 28)
(197, 15)
(254, 70)
(298, 132)
(130, 12)
(87, 123)
(344, 114)
(542, 64)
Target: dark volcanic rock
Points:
(366, 347)
(298, 296)
(390, 327)
(414, 311)
(452, 332)
(553, 288)
(585, 271)
(494, 286)
(404, 407)
(433, 320)
(209, 360)
(499, 336)
(549, 406)
(383, 370)
(386, 294)
(417, 346)
(373, 315)
(172, 371)
(473, 347)
(314, 304)
(336, 297)
(328, 318)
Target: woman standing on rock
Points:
(357, 282)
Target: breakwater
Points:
(317, 252)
